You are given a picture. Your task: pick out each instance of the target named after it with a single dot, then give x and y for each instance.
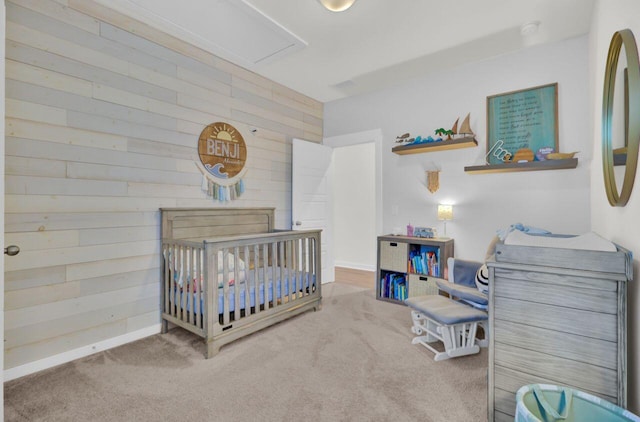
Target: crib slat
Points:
(184, 277)
(179, 282)
(299, 269)
(247, 286)
(301, 266)
(185, 283)
(195, 273)
(282, 260)
(181, 286)
(210, 289)
(225, 287)
(311, 265)
(172, 265)
(290, 269)
(236, 286)
(293, 271)
(296, 276)
(174, 284)
(256, 285)
(193, 289)
(188, 317)
(176, 279)
(265, 275)
(304, 266)
(198, 289)
(167, 276)
(296, 267)
(274, 278)
(282, 264)
(313, 278)
(188, 254)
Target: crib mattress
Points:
(299, 281)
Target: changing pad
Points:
(589, 241)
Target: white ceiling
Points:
(374, 44)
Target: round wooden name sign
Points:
(223, 154)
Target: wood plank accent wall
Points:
(103, 115)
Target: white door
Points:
(311, 206)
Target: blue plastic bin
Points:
(552, 403)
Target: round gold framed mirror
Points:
(628, 155)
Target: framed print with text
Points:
(527, 118)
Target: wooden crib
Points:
(227, 272)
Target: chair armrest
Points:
(462, 271)
(466, 293)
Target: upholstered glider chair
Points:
(453, 316)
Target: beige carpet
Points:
(351, 361)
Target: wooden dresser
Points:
(557, 316)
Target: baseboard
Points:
(59, 359)
(351, 265)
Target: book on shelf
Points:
(394, 286)
(425, 260)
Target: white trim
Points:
(354, 266)
(59, 359)
(353, 138)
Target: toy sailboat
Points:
(465, 128)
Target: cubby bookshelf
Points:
(410, 266)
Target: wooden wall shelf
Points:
(467, 142)
(570, 163)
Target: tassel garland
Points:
(222, 193)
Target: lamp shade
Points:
(445, 212)
(337, 5)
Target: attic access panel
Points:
(232, 29)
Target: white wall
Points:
(354, 206)
(555, 200)
(620, 224)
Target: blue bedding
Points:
(300, 281)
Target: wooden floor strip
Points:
(356, 277)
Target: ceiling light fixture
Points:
(337, 5)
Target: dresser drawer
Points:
(557, 318)
(595, 295)
(559, 370)
(556, 343)
(509, 380)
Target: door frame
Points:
(356, 138)
(370, 136)
(2, 169)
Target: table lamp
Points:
(445, 212)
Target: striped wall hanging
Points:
(223, 156)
